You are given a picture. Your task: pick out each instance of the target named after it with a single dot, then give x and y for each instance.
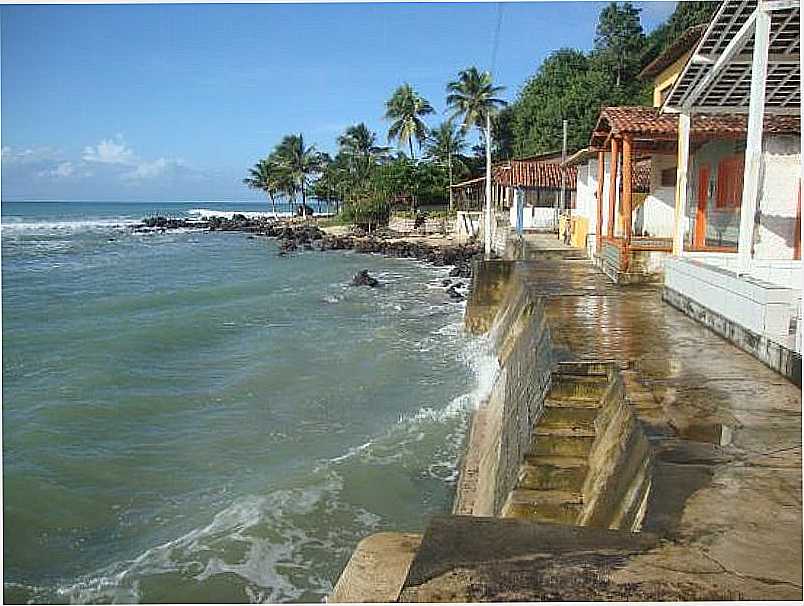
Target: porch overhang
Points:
(717, 78)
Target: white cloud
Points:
(149, 170)
(109, 151)
(61, 170)
(11, 155)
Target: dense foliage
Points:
(574, 85)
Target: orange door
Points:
(699, 239)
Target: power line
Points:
(496, 41)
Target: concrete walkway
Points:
(726, 499)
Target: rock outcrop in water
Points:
(307, 237)
(362, 278)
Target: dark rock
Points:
(362, 278)
(454, 294)
(446, 282)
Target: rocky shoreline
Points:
(294, 236)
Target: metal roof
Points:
(717, 77)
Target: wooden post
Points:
(601, 174)
(682, 170)
(613, 169)
(627, 195)
(753, 144)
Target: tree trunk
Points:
(304, 200)
(273, 204)
(410, 143)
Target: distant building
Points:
(538, 182)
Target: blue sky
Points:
(175, 102)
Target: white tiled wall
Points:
(763, 307)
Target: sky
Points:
(176, 102)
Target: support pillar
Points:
(753, 144)
(601, 174)
(682, 172)
(627, 180)
(519, 198)
(613, 170)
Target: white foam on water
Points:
(249, 214)
(228, 214)
(267, 560)
(66, 226)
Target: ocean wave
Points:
(84, 225)
(261, 539)
(412, 427)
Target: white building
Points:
(736, 263)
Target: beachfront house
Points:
(635, 251)
(536, 183)
(584, 221)
(736, 246)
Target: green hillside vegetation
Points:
(574, 85)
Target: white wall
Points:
(656, 215)
(586, 200)
(762, 307)
(534, 217)
(778, 198)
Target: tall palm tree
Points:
(473, 96)
(404, 109)
(263, 176)
(444, 145)
(300, 163)
(359, 145)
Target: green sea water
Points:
(189, 417)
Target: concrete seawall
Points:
(623, 453)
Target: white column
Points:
(682, 171)
(753, 144)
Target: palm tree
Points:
(299, 163)
(444, 145)
(263, 176)
(404, 109)
(473, 96)
(359, 144)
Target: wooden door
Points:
(699, 237)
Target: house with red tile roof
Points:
(537, 184)
(736, 253)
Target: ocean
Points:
(188, 417)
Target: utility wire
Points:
(496, 40)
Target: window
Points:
(669, 177)
(730, 182)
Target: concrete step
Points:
(554, 506)
(561, 442)
(559, 401)
(553, 473)
(568, 417)
(578, 387)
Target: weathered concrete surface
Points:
(725, 430)
(377, 568)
